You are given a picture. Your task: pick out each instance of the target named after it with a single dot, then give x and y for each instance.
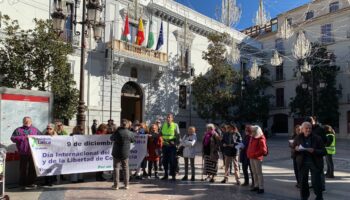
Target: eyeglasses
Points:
(48, 128)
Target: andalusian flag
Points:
(150, 41)
(140, 33)
(126, 32)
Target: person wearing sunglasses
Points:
(59, 128)
(51, 132)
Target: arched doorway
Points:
(131, 102)
(280, 123)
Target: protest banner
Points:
(54, 155)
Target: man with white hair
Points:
(309, 151)
(26, 164)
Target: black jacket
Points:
(319, 150)
(317, 129)
(122, 138)
(231, 139)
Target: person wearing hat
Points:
(229, 142)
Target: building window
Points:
(279, 73)
(185, 59)
(326, 33)
(290, 21)
(279, 46)
(333, 7)
(280, 97)
(309, 15)
(182, 96)
(67, 34)
(133, 72)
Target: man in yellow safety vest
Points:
(171, 135)
(330, 147)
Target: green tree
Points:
(254, 104)
(326, 99)
(37, 59)
(214, 93)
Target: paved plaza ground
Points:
(277, 168)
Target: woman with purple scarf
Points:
(211, 143)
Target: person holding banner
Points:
(59, 129)
(51, 132)
(20, 137)
(171, 136)
(77, 178)
(101, 130)
(154, 146)
(121, 150)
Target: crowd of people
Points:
(309, 143)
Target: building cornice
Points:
(177, 14)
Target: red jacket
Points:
(154, 146)
(257, 147)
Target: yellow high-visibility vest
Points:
(168, 132)
(331, 148)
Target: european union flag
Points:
(160, 37)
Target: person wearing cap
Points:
(171, 137)
(229, 141)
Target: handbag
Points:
(180, 151)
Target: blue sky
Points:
(249, 7)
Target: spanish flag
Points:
(140, 33)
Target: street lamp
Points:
(92, 19)
(311, 88)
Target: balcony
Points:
(279, 105)
(139, 54)
(279, 77)
(327, 39)
(254, 31)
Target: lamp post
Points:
(91, 12)
(311, 88)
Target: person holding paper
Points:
(309, 152)
(297, 131)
